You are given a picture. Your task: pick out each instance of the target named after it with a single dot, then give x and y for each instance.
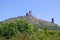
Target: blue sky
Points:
(42, 9)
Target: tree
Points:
(11, 28)
(24, 26)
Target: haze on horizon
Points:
(41, 9)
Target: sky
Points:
(41, 9)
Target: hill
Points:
(23, 30)
(28, 28)
(38, 23)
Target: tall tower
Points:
(30, 13)
(53, 20)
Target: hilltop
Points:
(39, 23)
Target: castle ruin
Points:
(29, 13)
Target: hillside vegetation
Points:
(23, 30)
(37, 23)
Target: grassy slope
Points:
(39, 35)
(42, 32)
(38, 23)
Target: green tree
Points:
(8, 29)
(12, 28)
(24, 26)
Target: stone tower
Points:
(53, 20)
(27, 14)
(30, 13)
